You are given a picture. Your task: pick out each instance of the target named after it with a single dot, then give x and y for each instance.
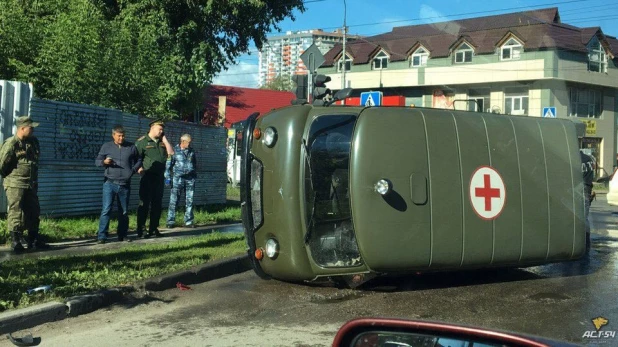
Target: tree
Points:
(281, 82)
(150, 57)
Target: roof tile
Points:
(242, 102)
(538, 29)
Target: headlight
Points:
(270, 136)
(272, 248)
(383, 186)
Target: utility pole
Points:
(344, 56)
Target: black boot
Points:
(16, 245)
(36, 241)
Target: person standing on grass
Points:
(120, 160)
(154, 149)
(19, 166)
(180, 174)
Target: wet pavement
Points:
(90, 245)
(556, 301)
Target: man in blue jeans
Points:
(120, 160)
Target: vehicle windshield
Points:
(329, 159)
(329, 222)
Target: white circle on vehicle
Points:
(487, 192)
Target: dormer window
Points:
(347, 63)
(597, 57)
(419, 57)
(380, 61)
(463, 54)
(511, 50)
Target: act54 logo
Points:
(599, 333)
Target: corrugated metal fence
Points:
(71, 136)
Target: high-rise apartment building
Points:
(280, 55)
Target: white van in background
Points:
(234, 149)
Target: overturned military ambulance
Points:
(347, 193)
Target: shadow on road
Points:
(132, 301)
(587, 265)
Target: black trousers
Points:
(150, 199)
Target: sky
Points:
(372, 17)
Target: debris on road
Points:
(39, 289)
(182, 286)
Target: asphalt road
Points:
(556, 301)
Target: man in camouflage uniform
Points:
(153, 148)
(19, 165)
(183, 165)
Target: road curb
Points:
(207, 272)
(82, 304)
(30, 317)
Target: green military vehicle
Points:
(348, 193)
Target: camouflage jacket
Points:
(19, 162)
(182, 163)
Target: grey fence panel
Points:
(71, 136)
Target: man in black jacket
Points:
(121, 161)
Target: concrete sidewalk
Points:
(15, 320)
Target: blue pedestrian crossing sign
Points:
(549, 112)
(371, 99)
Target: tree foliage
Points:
(281, 82)
(149, 57)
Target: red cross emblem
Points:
(487, 192)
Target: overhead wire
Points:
(578, 10)
(470, 69)
(459, 14)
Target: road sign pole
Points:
(309, 87)
(311, 68)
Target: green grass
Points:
(71, 228)
(74, 275)
(233, 192)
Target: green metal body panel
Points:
(282, 193)
(542, 219)
(282, 211)
(428, 223)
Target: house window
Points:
(419, 58)
(347, 63)
(380, 61)
(463, 54)
(516, 101)
(585, 103)
(597, 58)
(511, 50)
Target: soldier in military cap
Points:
(19, 166)
(153, 148)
